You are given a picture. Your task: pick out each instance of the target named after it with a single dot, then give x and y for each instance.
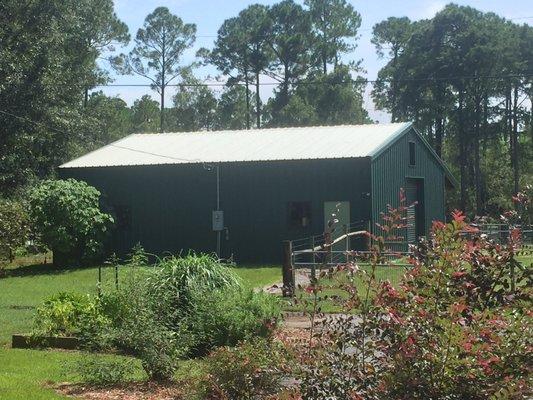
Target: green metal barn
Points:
(244, 192)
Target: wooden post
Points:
(99, 284)
(288, 270)
(313, 258)
(116, 275)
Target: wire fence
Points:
(351, 244)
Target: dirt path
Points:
(302, 278)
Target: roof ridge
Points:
(256, 130)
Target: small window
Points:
(122, 217)
(299, 213)
(412, 154)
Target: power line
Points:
(350, 82)
(41, 124)
(196, 160)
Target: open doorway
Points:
(414, 191)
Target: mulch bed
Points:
(130, 391)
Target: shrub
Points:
(178, 279)
(68, 314)
(102, 370)
(247, 371)
(67, 216)
(137, 329)
(14, 229)
(454, 328)
(227, 317)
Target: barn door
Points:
(414, 192)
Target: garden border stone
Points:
(34, 342)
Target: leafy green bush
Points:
(68, 314)
(14, 228)
(137, 329)
(102, 370)
(247, 371)
(67, 216)
(227, 317)
(186, 307)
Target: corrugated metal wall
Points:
(391, 171)
(171, 205)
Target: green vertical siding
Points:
(391, 171)
(171, 205)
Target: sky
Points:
(208, 15)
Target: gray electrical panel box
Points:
(218, 221)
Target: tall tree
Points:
(241, 51)
(232, 109)
(335, 24)
(45, 66)
(145, 115)
(289, 39)
(159, 46)
(332, 99)
(390, 38)
(257, 22)
(231, 55)
(99, 31)
(195, 106)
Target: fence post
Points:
(288, 270)
(116, 276)
(99, 284)
(313, 258)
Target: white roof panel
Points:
(321, 142)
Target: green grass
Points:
(25, 374)
(27, 287)
(331, 287)
(258, 276)
(29, 374)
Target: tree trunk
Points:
(439, 134)
(257, 101)
(247, 84)
(514, 136)
(439, 121)
(162, 116)
(462, 151)
(477, 166)
(85, 97)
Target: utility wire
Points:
(41, 124)
(350, 82)
(196, 160)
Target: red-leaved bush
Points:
(458, 326)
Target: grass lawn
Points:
(24, 373)
(332, 291)
(26, 288)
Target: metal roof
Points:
(320, 142)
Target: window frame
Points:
(412, 153)
(304, 210)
